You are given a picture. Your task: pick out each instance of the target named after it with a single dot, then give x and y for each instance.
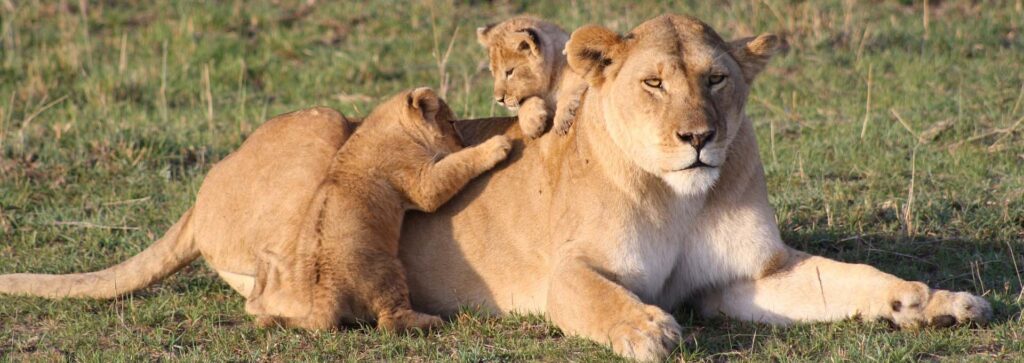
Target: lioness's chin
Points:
(692, 181)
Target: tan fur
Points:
(541, 83)
(343, 266)
(602, 233)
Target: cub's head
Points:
(525, 55)
(671, 93)
(421, 115)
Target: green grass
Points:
(105, 119)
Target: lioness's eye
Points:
(715, 79)
(508, 73)
(653, 82)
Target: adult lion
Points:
(656, 196)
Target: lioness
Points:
(531, 74)
(656, 196)
(343, 266)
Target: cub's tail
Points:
(168, 254)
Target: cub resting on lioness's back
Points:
(656, 196)
(343, 266)
(531, 74)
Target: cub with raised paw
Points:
(343, 266)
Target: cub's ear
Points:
(591, 51)
(527, 40)
(753, 53)
(425, 103)
(483, 36)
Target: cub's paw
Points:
(913, 305)
(267, 321)
(651, 336)
(408, 320)
(533, 117)
(564, 116)
(496, 149)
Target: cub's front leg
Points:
(583, 301)
(565, 112)
(533, 116)
(439, 182)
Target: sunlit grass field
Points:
(891, 134)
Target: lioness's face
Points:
(517, 62)
(672, 95)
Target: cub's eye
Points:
(715, 79)
(653, 82)
(508, 72)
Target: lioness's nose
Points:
(696, 139)
(500, 100)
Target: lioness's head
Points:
(419, 114)
(671, 93)
(525, 55)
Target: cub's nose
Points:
(696, 139)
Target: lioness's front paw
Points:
(649, 337)
(914, 305)
(533, 117)
(947, 308)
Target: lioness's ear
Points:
(591, 49)
(425, 102)
(753, 53)
(483, 36)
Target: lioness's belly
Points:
(239, 282)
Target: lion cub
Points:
(343, 267)
(531, 73)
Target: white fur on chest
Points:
(663, 263)
(651, 248)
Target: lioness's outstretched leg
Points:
(814, 288)
(582, 301)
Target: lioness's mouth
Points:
(698, 164)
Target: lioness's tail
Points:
(168, 254)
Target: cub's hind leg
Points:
(380, 283)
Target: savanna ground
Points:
(891, 135)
